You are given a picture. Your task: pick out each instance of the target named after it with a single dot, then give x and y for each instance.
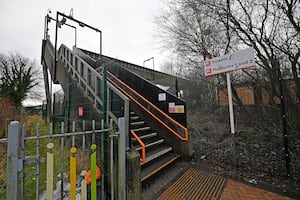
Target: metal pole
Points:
(104, 110)
(23, 159)
(62, 161)
(153, 63)
(75, 37)
(231, 115)
(55, 47)
(112, 161)
(37, 162)
(122, 158)
(73, 131)
(93, 128)
(102, 163)
(284, 123)
(100, 43)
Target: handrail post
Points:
(122, 158)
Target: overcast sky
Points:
(127, 27)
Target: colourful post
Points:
(93, 170)
(49, 183)
(73, 173)
(83, 186)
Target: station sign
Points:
(230, 62)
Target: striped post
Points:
(73, 173)
(83, 186)
(49, 183)
(93, 170)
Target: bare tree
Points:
(198, 29)
(19, 78)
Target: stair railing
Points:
(185, 130)
(138, 139)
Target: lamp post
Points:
(152, 58)
(60, 23)
(81, 24)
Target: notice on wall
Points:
(80, 111)
(171, 107)
(175, 108)
(179, 109)
(162, 97)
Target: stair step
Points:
(161, 163)
(146, 136)
(151, 144)
(157, 154)
(137, 123)
(134, 118)
(142, 129)
(132, 113)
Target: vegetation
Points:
(196, 30)
(18, 77)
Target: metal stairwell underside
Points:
(159, 154)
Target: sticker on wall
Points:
(80, 111)
(162, 97)
(175, 108)
(179, 109)
(171, 107)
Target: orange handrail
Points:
(143, 159)
(150, 113)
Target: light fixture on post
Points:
(152, 58)
(81, 24)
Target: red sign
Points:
(80, 111)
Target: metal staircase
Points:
(159, 153)
(155, 150)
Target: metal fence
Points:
(35, 163)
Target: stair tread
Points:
(152, 143)
(146, 136)
(134, 117)
(146, 128)
(156, 153)
(137, 123)
(160, 163)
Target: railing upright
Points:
(37, 189)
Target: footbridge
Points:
(105, 88)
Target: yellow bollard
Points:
(73, 173)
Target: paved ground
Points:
(236, 191)
(230, 190)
